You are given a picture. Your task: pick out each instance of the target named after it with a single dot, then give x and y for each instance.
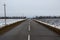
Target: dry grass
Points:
(51, 28)
(9, 27)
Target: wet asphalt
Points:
(29, 27)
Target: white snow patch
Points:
(10, 21)
(49, 24)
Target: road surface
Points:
(30, 30)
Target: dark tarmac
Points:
(34, 29)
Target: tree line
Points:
(44, 17)
(12, 17)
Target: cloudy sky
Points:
(30, 8)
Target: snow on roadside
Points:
(10, 22)
(49, 24)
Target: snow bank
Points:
(48, 24)
(10, 22)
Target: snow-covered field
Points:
(8, 21)
(55, 22)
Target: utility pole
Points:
(5, 13)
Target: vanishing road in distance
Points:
(30, 30)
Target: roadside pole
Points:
(5, 13)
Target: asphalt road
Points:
(30, 30)
(39, 32)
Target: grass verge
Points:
(56, 30)
(9, 27)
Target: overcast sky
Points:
(31, 8)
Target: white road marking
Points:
(29, 26)
(28, 36)
(29, 31)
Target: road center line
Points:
(29, 26)
(29, 32)
(28, 36)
